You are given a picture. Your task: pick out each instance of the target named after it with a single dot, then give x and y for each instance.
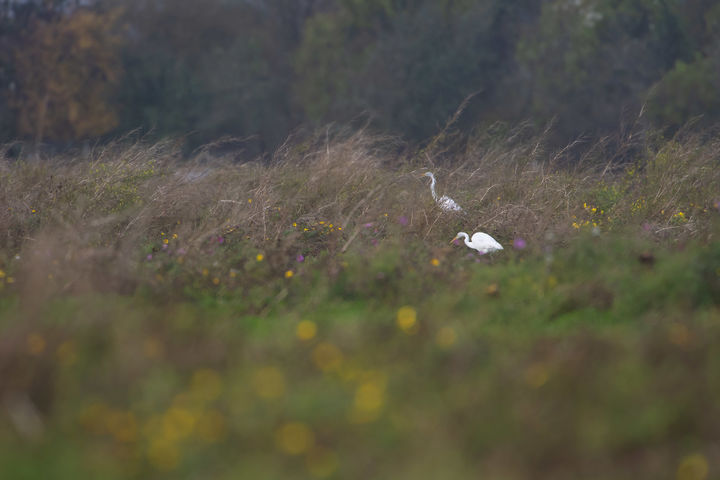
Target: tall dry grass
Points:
(101, 211)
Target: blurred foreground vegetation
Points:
(307, 317)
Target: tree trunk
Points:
(42, 114)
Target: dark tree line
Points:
(72, 70)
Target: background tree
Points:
(409, 64)
(591, 63)
(66, 69)
(214, 68)
(437, 55)
(15, 20)
(691, 89)
(262, 68)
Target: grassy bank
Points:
(307, 317)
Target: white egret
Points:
(445, 202)
(482, 242)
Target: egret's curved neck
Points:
(432, 187)
(467, 238)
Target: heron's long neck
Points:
(432, 187)
(467, 239)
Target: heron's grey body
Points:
(445, 202)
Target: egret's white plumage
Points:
(482, 242)
(445, 202)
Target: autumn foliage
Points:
(66, 71)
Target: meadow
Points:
(306, 316)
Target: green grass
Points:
(388, 353)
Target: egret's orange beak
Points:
(451, 241)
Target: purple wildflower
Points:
(221, 239)
(149, 257)
(403, 220)
(300, 258)
(368, 225)
(519, 243)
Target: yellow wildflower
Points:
(435, 262)
(492, 290)
(259, 257)
(294, 438)
(407, 320)
(693, 467)
(289, 274)
(306, 330)
(369, 400)
(327, 357)
(536, 375)
(369, 396)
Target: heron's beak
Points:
(451, 241)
